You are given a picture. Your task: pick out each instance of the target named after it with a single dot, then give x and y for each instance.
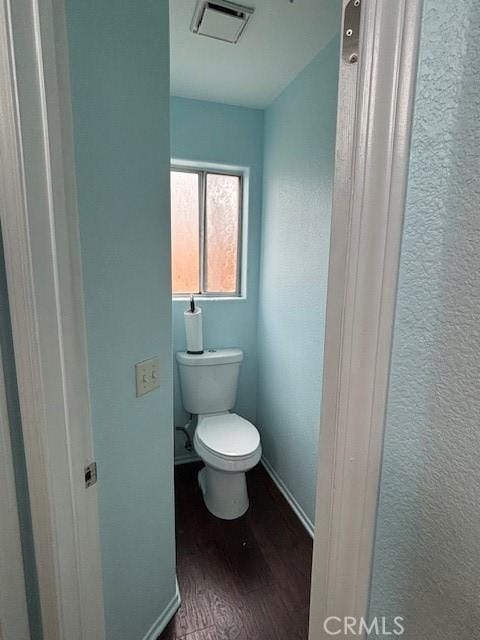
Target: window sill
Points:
(202, 299)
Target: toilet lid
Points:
(228, 435)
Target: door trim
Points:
(14, 623)
(42, 256)
(372, 150)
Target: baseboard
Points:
(186, 458)
(299, 512)
(164, 618)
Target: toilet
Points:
(228, 444)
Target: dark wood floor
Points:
(246, 579)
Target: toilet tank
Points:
(209, 380)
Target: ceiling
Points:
(279, 41)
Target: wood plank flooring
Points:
(246, 579)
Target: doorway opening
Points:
(253, 126)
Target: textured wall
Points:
(427, 552)
(18, 455)
(298, 173)
(218, 133)
(120, 90)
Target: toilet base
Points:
(224, 493)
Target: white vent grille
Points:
(220, 20)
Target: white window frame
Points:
(202, 170)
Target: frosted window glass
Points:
(185, 232)
(222, 220)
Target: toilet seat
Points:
(227, 442)
(228, 434)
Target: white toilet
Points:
(228, 444)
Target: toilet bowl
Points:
(229, 446)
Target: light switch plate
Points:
(147, 376)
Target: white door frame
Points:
(14, 623)
(40, 228)
(42, 256)
(372, 151)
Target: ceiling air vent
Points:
(220, 19)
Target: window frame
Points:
(202, 172)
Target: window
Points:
(206, 232)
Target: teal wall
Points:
(297, 191)
(221, 134)
(427, 551)
(119, 64)
(18, 454)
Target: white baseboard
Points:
(164, 618)
(186, 458)
(299, 512)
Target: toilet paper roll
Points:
(194, 330)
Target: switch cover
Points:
(147, 376)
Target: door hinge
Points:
(90, 474)
(351, 31)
